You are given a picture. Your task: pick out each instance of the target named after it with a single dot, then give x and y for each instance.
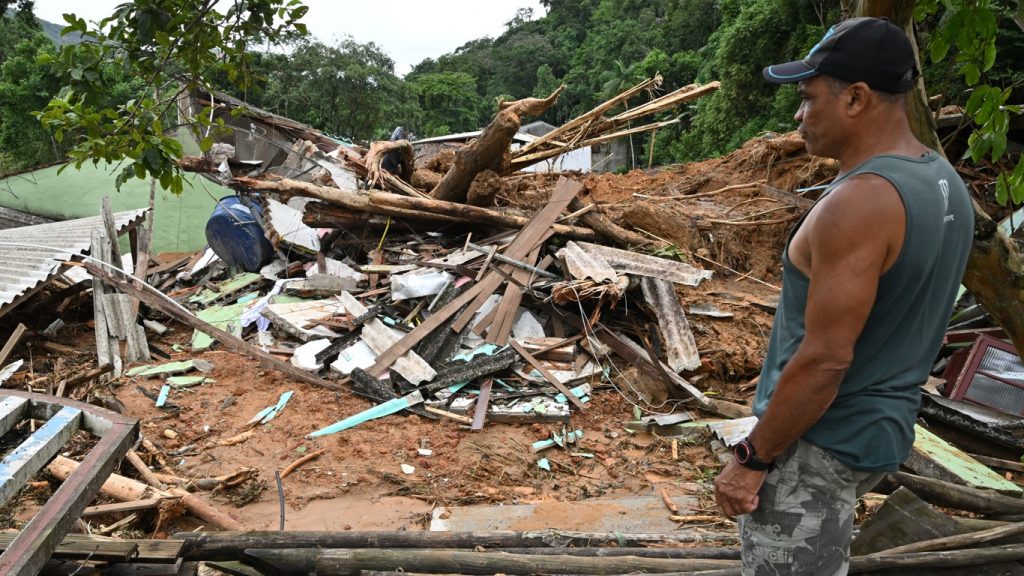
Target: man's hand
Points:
(736, 489)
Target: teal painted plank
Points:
(36, 451)
(959, 463)
(12, 411)
(378, 411)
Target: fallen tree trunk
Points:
(386, 204)
(938, 559)
(472, 214)
(353, 561)
(128, 490)
(491, 149)
(230, 545)
(955, 496)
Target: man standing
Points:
(869, 280)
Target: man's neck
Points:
(884, 134)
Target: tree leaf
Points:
(971, 73)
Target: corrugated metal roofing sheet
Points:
(583, 265)
(32, 255)
(732, 431)
(644, 265)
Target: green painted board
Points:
(148, 370)
(227, 318)
(187, 381)
(944, 461)
(226, 288)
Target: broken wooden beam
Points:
(12, 341)
(129, 490)
(353, 561)
(229, 340)
(474, 214)
(565, 190)
(954, 496)
(144, 504)
(490, 150)
(547, 375)
(230, 545)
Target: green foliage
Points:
(752, 34)
(345, 89)
(448, 101)
(970, 30)
(546, 83)
(172, 45)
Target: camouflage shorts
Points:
(804, 523)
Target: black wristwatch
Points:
(746, 456)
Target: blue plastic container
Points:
(236, 237)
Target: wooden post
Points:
(129, 490)
(106, 347)
(230, 545)
(353, 561)
(11, 343)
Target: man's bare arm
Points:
(857, 233)
(851, 240)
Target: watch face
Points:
(742, 453)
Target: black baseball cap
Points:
(870, 50)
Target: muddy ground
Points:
(358, 482)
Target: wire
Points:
(651, 408)
(384, 234)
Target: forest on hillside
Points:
(595, 47)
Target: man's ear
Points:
(856, 97)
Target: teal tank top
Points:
(870, 425)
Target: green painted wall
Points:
(179, 221)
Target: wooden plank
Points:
(36, 451)
(481, 405)
(12, 411)
(999, 463)
(119, 507)
(138, 348)
(905, 519)
(106, 354)
(104, 549)
(81, 546)
(934, 457)
(111, 228)
(524, 243)
(141, 255)
(509, 306)
(11, 343)
(447, 414)
(228, 340)
(547, 375)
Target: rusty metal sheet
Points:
(583, 264)
(680, 347)
(644, 265)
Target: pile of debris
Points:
(456, 290)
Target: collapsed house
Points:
(372, 305)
